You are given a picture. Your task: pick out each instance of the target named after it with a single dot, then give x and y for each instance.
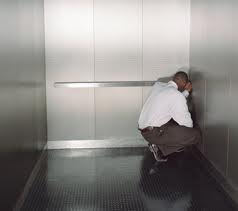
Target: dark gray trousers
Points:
(171, 137)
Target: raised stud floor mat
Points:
(122, 180)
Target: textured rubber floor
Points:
(122, 180)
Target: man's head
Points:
(181, 79)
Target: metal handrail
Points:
(103, 84)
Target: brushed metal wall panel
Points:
(70, 114)
(199, 59)
(215, 144)
(117, 112)
(165, 37)
(215, 117)
(199, 100)
(23, 75)
(8, 55)
(31, 94)
(211, 56)
(118, 44)
(69, 57)
(40, 75)
(69, 40)
(233, 102)
(22, 94)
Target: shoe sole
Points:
(154, 150)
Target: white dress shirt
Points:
(165, 102)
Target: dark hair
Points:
(181, 76)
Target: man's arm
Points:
(180, 112)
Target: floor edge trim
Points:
(21, 199)
(225, 186)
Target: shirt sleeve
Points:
(180, 112)
(185, 93)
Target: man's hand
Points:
(189, 86)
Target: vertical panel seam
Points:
(94, 68)
(142, 48)
(142, 37)
(45, 75)
(94, 65)
(189, 33)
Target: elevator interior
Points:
(43, 42)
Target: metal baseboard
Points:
(93, 144)
(30, 181)
(225, 186)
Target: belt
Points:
(147, 129)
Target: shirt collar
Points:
(173, 84)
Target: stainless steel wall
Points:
(101, 40)
(213, 61)
(22, 94)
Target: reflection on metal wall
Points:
(22, 94)
(69, 38)
(100, 40)
(213, 61)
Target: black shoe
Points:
(157, 154)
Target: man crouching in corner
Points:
(165, 121)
